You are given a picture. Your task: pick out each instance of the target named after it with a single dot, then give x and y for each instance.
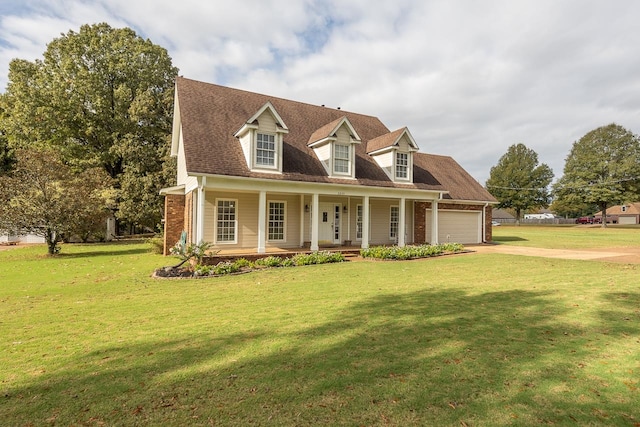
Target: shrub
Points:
(270, 261)
(225, 268)
(409, 252)
(157, 244)
(243, 262)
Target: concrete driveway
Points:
(621, 255)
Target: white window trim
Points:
(397, 222)
(284, 225)
(348, 159)
(276, 151)
(235, 225)
(395, 166)
(361, 207)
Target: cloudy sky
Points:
(469, 78)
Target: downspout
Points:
(484, 223)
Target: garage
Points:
(457, 226)
(627, 219)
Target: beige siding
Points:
(403, 144)
(292, 220)
(380, 219)
(247, 216)
(324, 155)
(245, 143)
(343, 136)
(267, 122)
(409, 222)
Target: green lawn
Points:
(571, 237)
(88, 338)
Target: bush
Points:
(157, 244)
(270, 261)
(410, 252)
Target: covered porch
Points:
(274, 217)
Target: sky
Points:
(468, 78)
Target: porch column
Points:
(262, 222)
(434, 223)
(301, 220)
(200, 210)
(315, 221)
(401, 222)
(365, 222)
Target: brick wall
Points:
(420, 231)
(174, 220)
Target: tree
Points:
(519, 182)
(102, 97)
(43, 196)
(602, 168)
(7, 157)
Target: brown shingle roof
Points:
(631, 209)
(384, 141)
(211, 114)
(324, 131)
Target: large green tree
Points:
(519, 182)
(44, 196)
(7, 157)
(602, 168)
(102, 97)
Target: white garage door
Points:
(457, 226)
(627, 220)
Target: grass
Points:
(88, 338)
(567, 237)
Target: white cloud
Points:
(468, 78)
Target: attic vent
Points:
(624, 208)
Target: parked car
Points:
(495, 223)
(584, 220)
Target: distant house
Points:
(628, 213)
(257, 172)
(20, 238)
(502, 216)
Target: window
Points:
(393, 223)
(265, 150)
(226, 223)
(402, 165)
(341, 159)
(359, 222)
(276, 221)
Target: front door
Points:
(329, 232)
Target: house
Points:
(502, 216)
(628, 213)
(257, 172)
(20, 238)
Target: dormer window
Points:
(265, 150)
(341, 159)
(261, 139)
(402, 165)
(335, 146)
(393, 152)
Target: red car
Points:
(584, 220)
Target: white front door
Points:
(329, 223)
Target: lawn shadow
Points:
(432, 357)
(499, 239)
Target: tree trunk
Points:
(603, 206)
(517, 216)
(51, 238)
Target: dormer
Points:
(335, 146)
(393, 152)
(261, 138)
